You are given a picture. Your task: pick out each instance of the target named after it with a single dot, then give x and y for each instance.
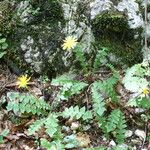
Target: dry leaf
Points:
(83, 139)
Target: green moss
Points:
(49, 10)
(5, 15)
(112, 31)
(129, 53)
(107, 22)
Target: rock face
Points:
(38, 28)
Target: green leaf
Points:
(2, 40)
(51, 125)
(77, 113)
(2, 54)
(35, 126)
(26, 103)
(98, 101)
(46, 144)
(4, 46)
(144, 103)
(132, 103)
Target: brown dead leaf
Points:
(83, 139)
(36, 91)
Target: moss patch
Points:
(111, 30)
(5, 16)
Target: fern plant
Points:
(26, 103)
(98, 88)
(115, 123)
(50, 124)
(97, 99)
(100, 58)
(77, 113)
(68, 87)
(54, 145)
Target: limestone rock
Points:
(38, 29)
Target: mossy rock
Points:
(5, 16)
(128, 53)
(107, 22)
(112, 31)
(45, 29)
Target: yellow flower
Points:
(23, 81)
(69, 43)
(145, 91)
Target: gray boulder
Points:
(38, 29)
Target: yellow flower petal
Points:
(22, 81)
(69, 43)
(145, 91)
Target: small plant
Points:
(68, 87)
(3, 46)
(114, 123)
(100, 58)
(3, 134)
(50, 123)
(26, 103)
(76, 113)
(136, 81)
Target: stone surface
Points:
(128, 133)
(38, 29)
(141, 134)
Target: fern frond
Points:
(100, 57)
(120, 131)
(51, 125)
(36, 126)
(26, 103)
(113, 120)
(108, 87)
(116, 124)
(97, 99)
(114, 71)
(77, 113)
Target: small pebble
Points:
(128, 133)
(141, 134)
(139, 110)
(74, 125)
(112, 143)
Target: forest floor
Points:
(18, 139)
